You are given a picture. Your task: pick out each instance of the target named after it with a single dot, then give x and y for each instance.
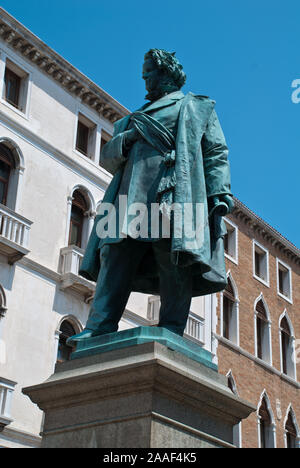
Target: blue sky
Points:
(244, 54)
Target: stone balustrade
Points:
(70, 261)
(195, 328)
(6, 392)
(71, 258)
(14, 234)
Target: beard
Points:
(160, 88)
(154, 94)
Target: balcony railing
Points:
(153, 308)
(6, 392)
(70, 261)
(195, 328)
(14, 234)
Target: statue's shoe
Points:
(84, 335)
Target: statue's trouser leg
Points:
(175, 289)
(119, 263)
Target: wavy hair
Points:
(169, 65)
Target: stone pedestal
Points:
(138, 394)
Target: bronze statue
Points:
(171, 154)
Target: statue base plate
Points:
(141, 335)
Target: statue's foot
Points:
(85, 334)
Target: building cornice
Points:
(25, 43)
(267, 232)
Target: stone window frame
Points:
(237, 429)
(234, 239)
(76, 324)
(89, 215)
(257, 246)
(272, 427)
(268, 339)
(3, 306)
(292, 368)
(16, 175)
(92, 122)
(235, 311)
(13, 63)
(290, 410)
(289, 271)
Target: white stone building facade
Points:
(53, 122)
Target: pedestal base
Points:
(141, 396)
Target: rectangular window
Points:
(231, 241)
(82, 138)
(105, 137)
(15, 86)
(260, 263)
(86, 136)
(12, 88)
(284, 280)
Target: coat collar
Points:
(122, 124)
(164, 101)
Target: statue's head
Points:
(162, 72)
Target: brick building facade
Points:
(258, 326)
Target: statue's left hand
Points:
(228, 199)
(221, 205)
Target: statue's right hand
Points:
(131, 136)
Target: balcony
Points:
(195, 328)
(14, 234)
(6, 392)
(70, 261)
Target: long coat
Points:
(202, 171)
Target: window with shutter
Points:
(79, 208)
(6, 166)
(64, 350)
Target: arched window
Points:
(6, 167)
(285, 343)
(64, 350)
(287, 347)
(78, 213)
(291, 429)
(237, 429)
(291, 432)
(3, 307)
(263, 332)
(230, 314)
(11, 172)
(266, 426)
(265, 423)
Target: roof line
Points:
(268, 232)
(54, 65)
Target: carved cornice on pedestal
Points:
(48, 61)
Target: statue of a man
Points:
(170, 154)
